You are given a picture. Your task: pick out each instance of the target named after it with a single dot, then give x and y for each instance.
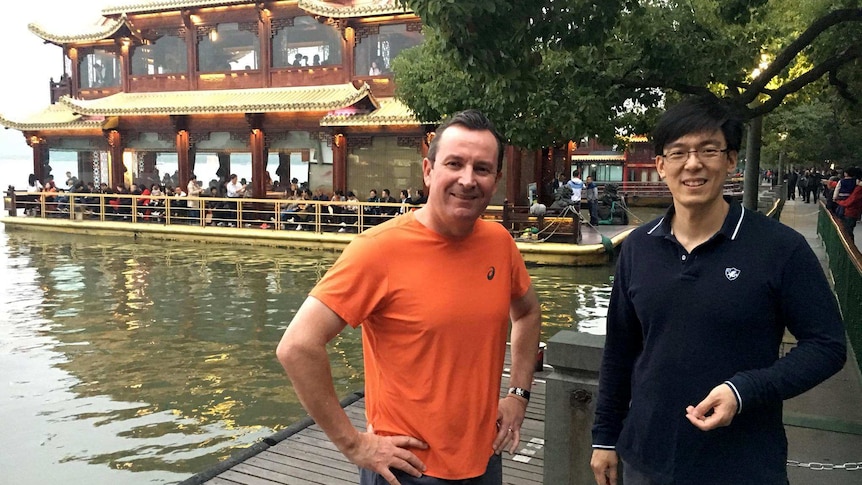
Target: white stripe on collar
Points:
(656, 226)
(739, 223)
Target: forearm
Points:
(526, 331)
(309, 370)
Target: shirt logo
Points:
(731, 273)
(491, 273)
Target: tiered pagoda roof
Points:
(55, 117)
(261, 100)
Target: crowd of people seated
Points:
(154, 202)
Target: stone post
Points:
(570, 407)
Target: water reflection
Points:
(158, 358)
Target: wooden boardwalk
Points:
(302, 454)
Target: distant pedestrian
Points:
(592, 194)
(850, 208)
(792, 178)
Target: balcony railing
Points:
(272, 214)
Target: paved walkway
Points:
(824, 425)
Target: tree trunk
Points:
(752, 164)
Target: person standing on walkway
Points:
(691, 384)
(577, 186)
(592, 191)
(792, 178)
(434, 291)
(850, 209)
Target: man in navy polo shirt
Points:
(691, 384)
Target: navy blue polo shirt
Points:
(681, 323)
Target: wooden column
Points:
(513, 178)
(283, 170)
(40, 156)
(426, 144)
(183, 145)
(538, 169)
(115, 159)
(265, 29)
(124, 64)
(348, 49)
(191, 50)
(258, 154)
(75, 75)
(339, 162)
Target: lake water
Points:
(146, 362)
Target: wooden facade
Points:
(163, 78)
(131, 93)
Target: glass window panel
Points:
(99, 68)
(303, 41)
(383, 165)
(374, 53)
(228, 47)
(164, 55)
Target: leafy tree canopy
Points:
(547, 71)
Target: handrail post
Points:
(570, 406)
(11, 203)
(507, 216)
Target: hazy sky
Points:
(30, 63)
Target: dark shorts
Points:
(493, 476)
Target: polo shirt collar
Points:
(730, 227)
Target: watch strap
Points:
(520, 392)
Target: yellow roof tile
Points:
(53, 117)
(101, 30)
(589, 158)
(163, 5)
(390, 112)
(262, 100)
(364, 9)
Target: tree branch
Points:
(804, 40)
(809, 77)
(841, 87)
(653, 83)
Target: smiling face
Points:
(697, 183)
(461, 180)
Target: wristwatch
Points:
(520, 392)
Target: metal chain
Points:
(826, 466)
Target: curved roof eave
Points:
(260, 100)
(55, 117)
(100, 32)
(166, 5)
(319, 7)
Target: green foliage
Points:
(551, 70)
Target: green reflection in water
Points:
(167, 349)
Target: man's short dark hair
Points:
(472, 119)
(698, 115)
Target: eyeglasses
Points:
(703, 154)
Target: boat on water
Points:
(563, 240)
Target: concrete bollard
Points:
(570, 407)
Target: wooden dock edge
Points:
(261, 446)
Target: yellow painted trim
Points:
(556, 254)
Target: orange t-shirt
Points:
(435, 318)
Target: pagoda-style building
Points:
(284, 84)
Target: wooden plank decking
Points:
(304, 455)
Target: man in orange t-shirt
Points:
(434, 291)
